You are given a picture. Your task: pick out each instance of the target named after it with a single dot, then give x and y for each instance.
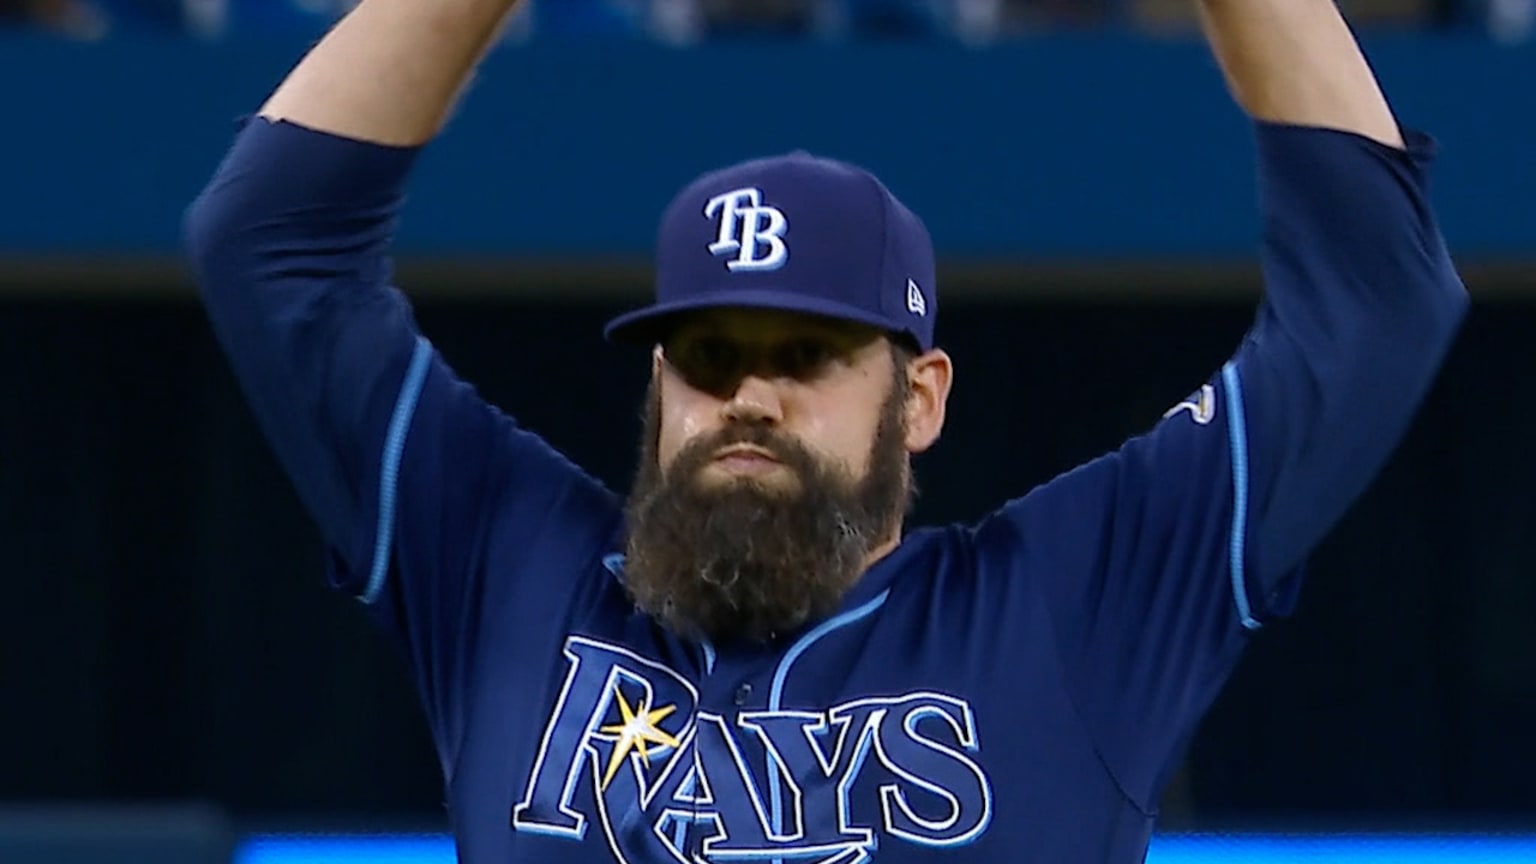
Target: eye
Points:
(706, 362)
(713, 353)
(801, 358)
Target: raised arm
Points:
(290, 244)
(1362, 300)
(1296, 62)
(417, 485)
(1168, 552)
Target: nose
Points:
(756, 400)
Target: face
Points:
(818, 382)
(774, 466)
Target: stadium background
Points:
(176, 681)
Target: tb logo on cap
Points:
(753, 232)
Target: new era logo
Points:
(916, 303)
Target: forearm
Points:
(1296, 61)
(391, 70)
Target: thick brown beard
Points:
(740, 562)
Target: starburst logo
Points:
(637, 732)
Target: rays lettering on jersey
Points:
(627, 747)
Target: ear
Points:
(929, 376)
(656, 361)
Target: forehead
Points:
(769, 325)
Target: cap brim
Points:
(649, 325)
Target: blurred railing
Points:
(1101, 149)
(689, 21)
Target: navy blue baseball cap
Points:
(796, 233)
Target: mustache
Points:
(789, 452)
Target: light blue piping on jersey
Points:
(389, 467)
(780, 675)
(1237, 431)
(614, 562)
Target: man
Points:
(751, 657)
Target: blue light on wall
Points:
(326, 849)
(1178, 849)
(1341, 849)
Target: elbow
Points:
(236, 239)
(202, 224)
(1452, 312)
(1399, 349)
(218, 226)
(1439, 309)
(215, 232)
(1409, 306)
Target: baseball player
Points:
(750, 657)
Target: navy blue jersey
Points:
(1015, 690)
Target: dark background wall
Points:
(165, 633)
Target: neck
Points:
(885, 548)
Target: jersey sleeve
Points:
(1157, 559)
(405, 470)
